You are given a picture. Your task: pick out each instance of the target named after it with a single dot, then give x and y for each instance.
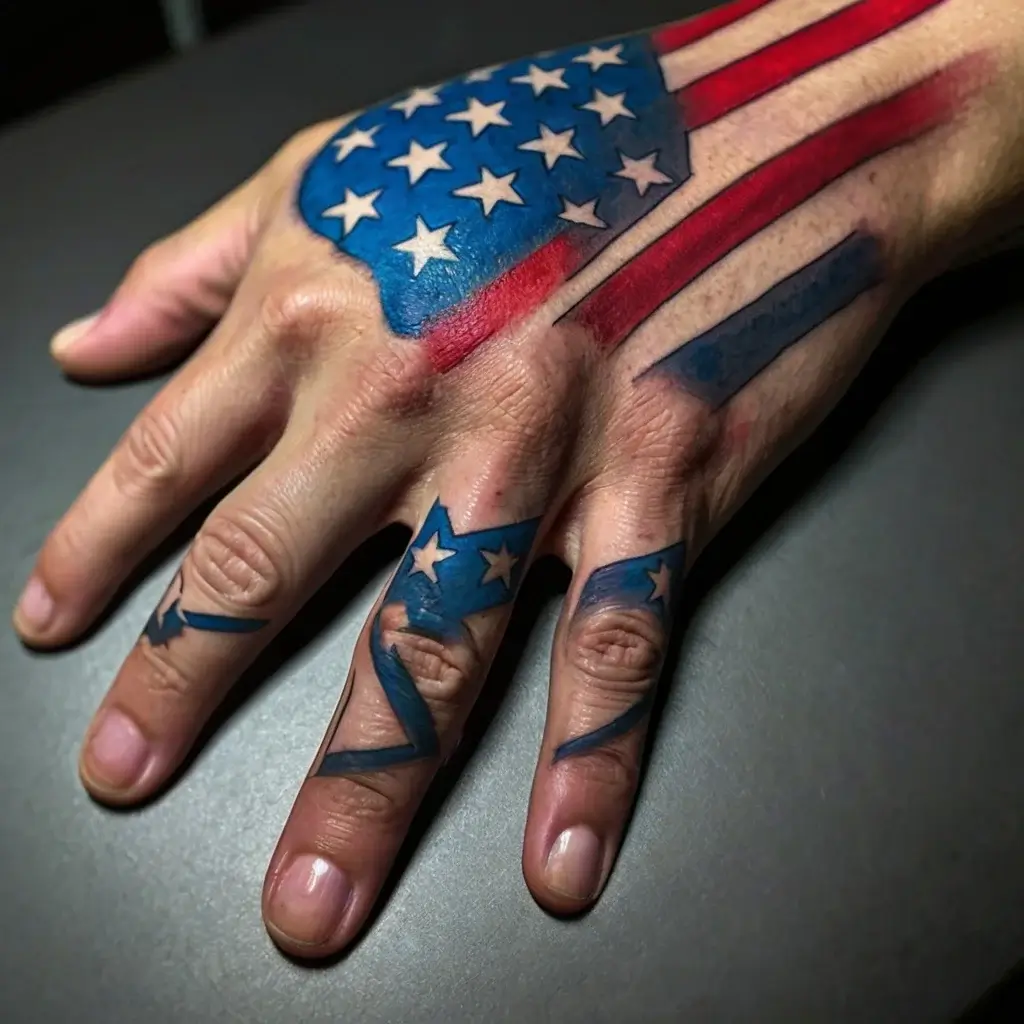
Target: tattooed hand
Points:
(580, 303)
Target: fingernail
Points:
(67, 336)
(309, 899)
(36, 605)
(118, 751)
(574, 863)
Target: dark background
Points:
(51, 50)
(45, 58)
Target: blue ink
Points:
(718, 363)
(444, 578)
(647, 582)
(163, 627)
(442, 192)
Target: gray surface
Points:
(831, 827)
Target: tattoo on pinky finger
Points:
(648, 584)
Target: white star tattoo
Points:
(553, 145)
(427, 245)
(491, 190)
(597, 57)
(421, 159)
(642, 172)
(425, 558)
(416, 99)
(359, 139)
(482, 74)
(585, 213)
(538, 79)
(480, 116)
(662, 580)
(499, 566)
(355, 208)
(608, 107)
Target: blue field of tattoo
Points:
(646, 582)
(715, 365)
(444, 578)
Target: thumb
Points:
(175, 290)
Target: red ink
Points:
(745, 208)
(675, 37)
(729, 88)
(515, 293)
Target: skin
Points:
(336, 426)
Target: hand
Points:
(578, 304)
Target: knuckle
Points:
(163, 678)
(147, 264)
(444, 671)
(297, 313)
(240, 558)
(663, 435)
(345, 806)
(395, 381)
(615, 654)
(149, 459)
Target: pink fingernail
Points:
(36, 605)
(309, 899)
(574, 863)
(118, 752)
(67, 336)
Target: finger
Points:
(173, 293)
(606, 660)
(215, 419)
(416, 671)
(258, 557)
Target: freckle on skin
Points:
(738, 434)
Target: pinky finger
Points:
(607, 657)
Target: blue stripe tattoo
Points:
(648, 583)
(444, 578)
(163, 627)
(717, 364)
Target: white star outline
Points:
(354, 208)
(421, 159)
(643, 172)
(552, 145)
(581, 213)
(608, 107)
(426, 245)
(662, 580)
(538, 79)
(597, 57)
(358, 138)
(491, 190)
(481, 116)
(424, 559)
(420, 97)
(499, 566)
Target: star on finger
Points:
(482, 74)
(662, 580)
(416, 99)
(426, 245)
(491, 190)
(425, 559)
(355, 208)
(499, 566)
